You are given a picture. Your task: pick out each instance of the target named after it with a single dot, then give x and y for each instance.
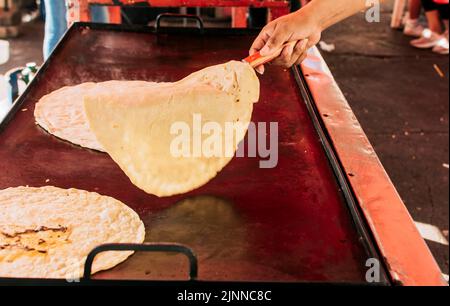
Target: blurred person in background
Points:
(435, 37)
(56, 22)
(412, 24)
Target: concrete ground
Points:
(396, 93)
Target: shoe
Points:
(427, 40)
(405, 18)
(442, 45)
(413, 28)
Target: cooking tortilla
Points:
(48, 232)
(61, 112)
(135, 127)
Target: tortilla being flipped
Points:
(48, 232)
(61, 112)
(136, 127)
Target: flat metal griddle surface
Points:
(248, 224)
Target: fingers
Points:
(260, 69)
(259, 43)
(279, 32)
(292, 55)
(300, 52)
(301, 59)
(313, 40)
(276, 40)
(286, 56)
(262, 39)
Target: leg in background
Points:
(434, 21)
(397, 13)
(442, 47)
(444, 13)
(446, 25)
(412, 25)
(414, 9)
(433, 37)
(55, 24)
(433, 16)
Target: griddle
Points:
(295, 223)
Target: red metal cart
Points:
(79, 9)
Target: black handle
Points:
(146, 247)
(196, 18)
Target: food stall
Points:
(327, 213)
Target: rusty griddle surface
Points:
(248, 224)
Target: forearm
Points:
(305, 25)
(325, 13)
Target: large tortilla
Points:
(61, 112)
(135, 126)
(48, 232)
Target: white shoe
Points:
(442, 46)
(413, 28)
(427, 40)
(405, 18)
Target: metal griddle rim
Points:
(365, 236)
(359, 221)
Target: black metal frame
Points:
(347, 193)
(172, 16)
(146, 247)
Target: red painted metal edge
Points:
(202, 3)
(239, 17)
(408, 258)
(79, 9)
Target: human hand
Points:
(297, 27)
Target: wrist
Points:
(310, 18)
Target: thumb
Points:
(275, 42)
